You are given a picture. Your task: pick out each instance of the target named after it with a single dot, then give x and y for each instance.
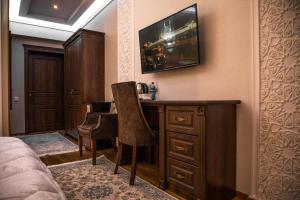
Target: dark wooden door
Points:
(44, 91)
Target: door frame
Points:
(39, 49)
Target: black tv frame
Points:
(179, 66)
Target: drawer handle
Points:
(180, 176)
(179, 148)
(180, 119)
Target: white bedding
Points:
(23, 175)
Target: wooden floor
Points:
(144, 170)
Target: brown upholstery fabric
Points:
(133, 127)
(99, 126)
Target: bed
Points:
(23, 175)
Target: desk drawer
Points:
(184, 147)
(184, 119)
(183, 176)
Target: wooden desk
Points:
(197, 146)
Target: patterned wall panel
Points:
(279, 140)
(125, 40)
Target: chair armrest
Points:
(106, 120)
(91, 118)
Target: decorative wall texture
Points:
(279, 140)
(125, 40)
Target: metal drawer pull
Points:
(180, 176)
(179, 148)
(180, 119)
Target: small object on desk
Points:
(88, 108)
(152, 91)
(143, 91)
(113, 108)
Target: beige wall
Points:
(226, 68)
(106, 21)
(17, 117)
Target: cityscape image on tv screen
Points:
(171, 42)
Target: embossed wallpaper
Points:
(279, 139)
(125, 40)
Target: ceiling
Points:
(66, 15)
(58, 11)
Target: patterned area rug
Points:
(49, 143)
(82, 181)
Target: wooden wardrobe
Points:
(83, 76)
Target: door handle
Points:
(30, 92)
(72, 93)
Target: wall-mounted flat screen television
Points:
(171, 43)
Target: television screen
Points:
(171, 43)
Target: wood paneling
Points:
(183, 147)
(220, 151)
(44, 88)
(183, 119)
(84, 76)
(184, 178)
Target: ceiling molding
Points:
(79, 21)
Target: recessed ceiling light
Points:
(94, 8)
(55, 6)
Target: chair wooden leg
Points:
(119, 157)
(113, 141)
(133, 165)
(94, 151)
(80, 145)
(149, 156)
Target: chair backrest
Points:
(133, 127)
(101, 106)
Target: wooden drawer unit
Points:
(183, 147)
(185, 138)
(183, 177)
(184, 119)
(197, 148)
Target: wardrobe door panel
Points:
(84, 75)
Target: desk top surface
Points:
(189, 102)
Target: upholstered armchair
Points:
(98, 126)
(134, 129)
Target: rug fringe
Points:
(77, 161)
(58, 153)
